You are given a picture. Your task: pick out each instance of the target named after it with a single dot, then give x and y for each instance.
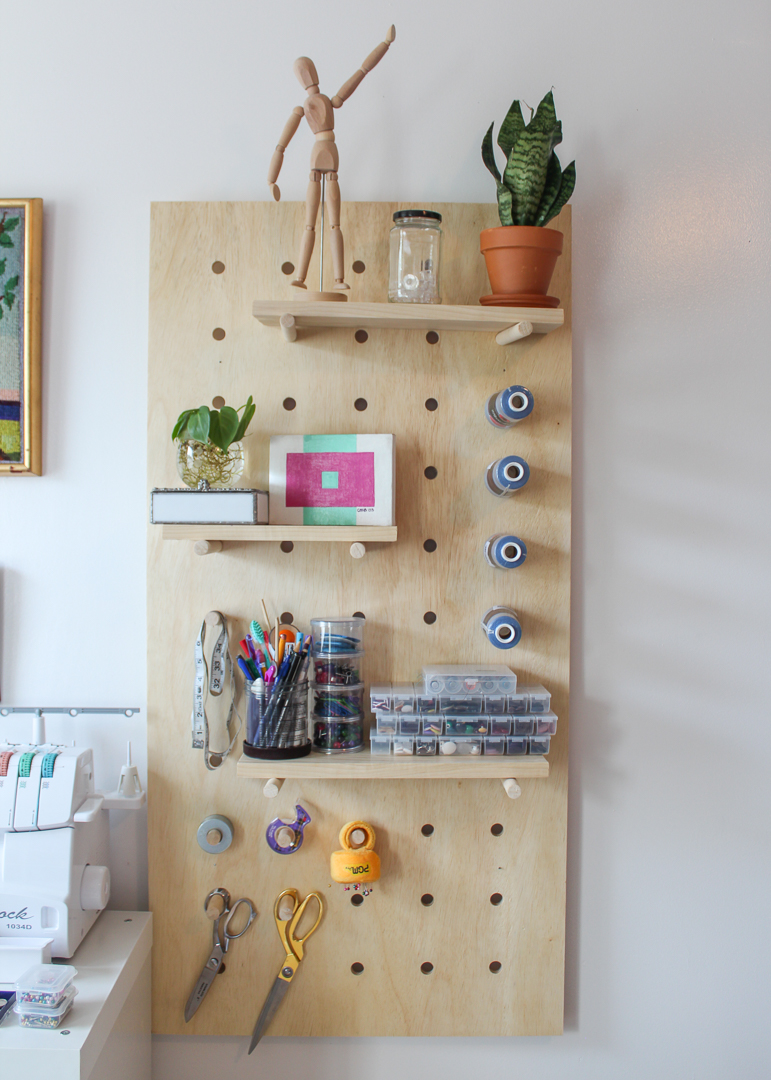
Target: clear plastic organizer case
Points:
(539, 698)
(403, 744)
(469, 679)
(522, 725)
(518, 704)
(466, 725)
(337, 702)
(426, 703)
(45, 985)
(344, 669)
(425, 745)
(380, 697)
(545, 724)
(516, 745)
(495, 744)
(432, 725)
(403, 698)
(332, 637)
(387, 723)
(539, 744)
(461, 704)
(500, 725)
(338, 736)
(460, 745)
(379, 743)
(409, 724)
(37, 1016)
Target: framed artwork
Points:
(21, 231)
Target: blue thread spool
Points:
(509, 407)
(502, 627)
(507, 475)
(505, 551)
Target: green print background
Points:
(11, 331)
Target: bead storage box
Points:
(44, 995)
(337, 690)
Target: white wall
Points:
(666, 108)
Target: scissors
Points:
(294, 947)
(220, 943)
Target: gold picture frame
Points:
(21, 250)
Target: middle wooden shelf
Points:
(346, 534)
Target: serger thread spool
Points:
(507, 475)
(505, 551)
(509, 407)
(502, 627)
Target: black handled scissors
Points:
(221, 938)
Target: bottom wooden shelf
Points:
(364, 766)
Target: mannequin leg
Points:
(312, 200)
(335, 234)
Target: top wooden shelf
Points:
(327, 313)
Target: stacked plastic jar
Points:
(337, 688)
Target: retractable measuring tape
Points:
(211, 680)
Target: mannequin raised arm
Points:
(374, 58)
(277, 160)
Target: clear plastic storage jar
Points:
(415, 254)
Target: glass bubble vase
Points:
(197, 461)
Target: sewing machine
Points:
(54, 840)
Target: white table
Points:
(109, 1023)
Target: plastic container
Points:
(44, 985)
(469, 679)
(378, 743)
(338, 736)
(460, 745)
(403, 744)
(519, 703)
(403, 698)
(539, 744)
(522, 725)
(540, 698)
(465, 725)
(415, 248)
(338, 702)
(425, 745)
(409, 724)
(37, 1016)
(335, 637)
(387, 723)
(461, 704)
(343, 669)
(500, 725)
(380, 697)
(545, 724)
(495, 704)
(432, 725)
(426, 703)
(495, 744)
(516, 745)
(277, 726)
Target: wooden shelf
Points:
(364, 766)
(347, 534)
(327, 313)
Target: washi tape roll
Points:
(505, 551)
(502, 627)
(215, 834)
(509, 407)
(507, 475)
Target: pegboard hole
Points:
(286, 617)
(215, 761)
(429, 617)
(432, 404)
(360, 404)
(287, 268)
(218, 267)
(361, 336)
(495, 967)
(430, 472)
(427, 899)
(287, 546)
(432, 337)
(358, 615)
(357, 899)
(427, 968)
(429, 545)
(427, 830)
(357, 968)
(496, 829)
(358, 267)
(289, 403)
(218, 333)
(496, 899)
(217, 402)
(221, 968)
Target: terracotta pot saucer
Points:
(520, 300)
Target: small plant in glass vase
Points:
(209, 450)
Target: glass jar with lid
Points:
(415, 253)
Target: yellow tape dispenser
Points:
(357, 863)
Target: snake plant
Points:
(533, 188)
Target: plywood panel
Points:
(462, 863)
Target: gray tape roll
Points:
(223, 825)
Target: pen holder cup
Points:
(277, 726)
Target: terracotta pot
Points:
(520, 259)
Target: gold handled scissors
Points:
(287, 903)
(221, 938)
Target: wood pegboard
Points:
(462, 864)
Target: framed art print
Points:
(21, 230)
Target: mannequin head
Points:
(305, 70)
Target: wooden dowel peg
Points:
(272, 787)
(512, 789)
(358, 551)
(213, 618)
(207, 547)
(514, 333)
(288, 327)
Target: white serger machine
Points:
(54, 841)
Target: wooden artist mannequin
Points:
(318, 111)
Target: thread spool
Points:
(355, 864)
(502, 627)
(509, 406)
(215, 834)
(505, 551)
(507, 475)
